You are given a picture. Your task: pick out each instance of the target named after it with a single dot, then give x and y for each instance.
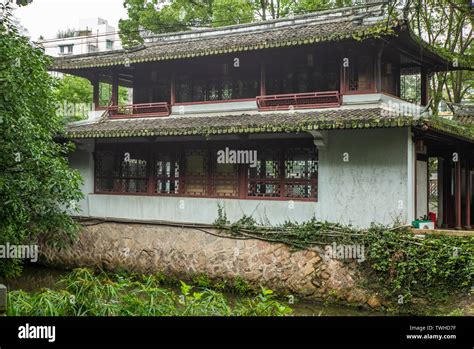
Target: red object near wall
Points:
(432, 217)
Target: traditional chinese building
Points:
(319, 97)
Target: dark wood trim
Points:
(115, 88)
(95, 93)
(468, 194)
(360, 92)
(173, 89)
(415, 180)
(378, 70)
(216, 101)
(421, 157)
(457, 192)
(240, 178)
(424, 80)
(428, 186)
(263, 86)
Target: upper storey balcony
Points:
(288, 79)
(274, 66)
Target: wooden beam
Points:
(468, 194)
(457, 192)
(173, 89)
(378, 70)
(115, 88)
(446, 191)
(263, 76)
(424, 87)
(95, 93)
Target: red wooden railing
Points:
(308, 100)
(142, 110)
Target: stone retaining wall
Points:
(186, 252)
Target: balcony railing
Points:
(142, 110)
(309, 100)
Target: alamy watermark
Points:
(30, 252)
(73, 109)
(337, 251)
(230, 156)
(400, 108)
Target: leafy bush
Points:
(86, 294)
(398, 264)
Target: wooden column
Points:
(424, 87)
(115, 88)
(446, 192)
(342, 75)
(263, 88)
(173, 89)
(95, 93)
(457, 192)
(441, 195)
(378, 70)
(468, 194)
(397, 80)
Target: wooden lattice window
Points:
(184, 88)
(106, 171)
(301, 168)
(121, 171)
(225, 180)
(166, 167)
(360, 74)
(282, 172)
(199, 90)
(290, 173)
(264, 179)
(196, 169)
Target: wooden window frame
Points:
(241, 174)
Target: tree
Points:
(158, 16)
(446, 25)
(37, 187)
(74, 95)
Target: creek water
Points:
(34, 278)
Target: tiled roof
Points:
(464, 113)
(264, 122)
(278, 33)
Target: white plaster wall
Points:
(192, 109)
(373, 186)
(82, 160)
(421, 188)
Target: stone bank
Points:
(184, 252)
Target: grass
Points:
(83, 293)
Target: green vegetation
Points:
(402, 267)
(177, 15)
(37, 187)
(74, 95)
(83, 293)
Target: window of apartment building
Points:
(281, 172)
(66, 49)
(92, 48)
(109, 44)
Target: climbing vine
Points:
(401, 266)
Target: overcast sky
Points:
(46, 17)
